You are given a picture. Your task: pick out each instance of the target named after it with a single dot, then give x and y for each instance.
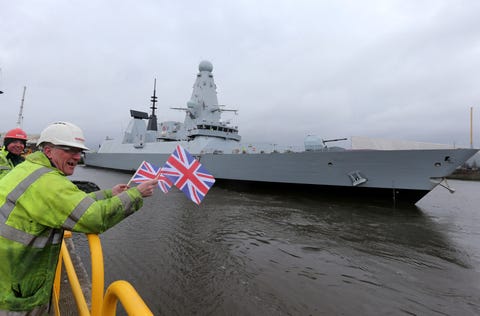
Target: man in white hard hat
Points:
(63, 144)
(37, 203)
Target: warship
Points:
(405, 174)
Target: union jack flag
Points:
(148, 171)
(164, 183)
(188, 174)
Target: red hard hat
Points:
(16, 133)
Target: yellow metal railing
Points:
(101, 304)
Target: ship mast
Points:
(152, 120)
(20, 113)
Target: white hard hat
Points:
(63, 133)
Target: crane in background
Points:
(20, 113)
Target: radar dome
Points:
(205, 66)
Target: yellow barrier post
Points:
(58, 277)
(98, 282)
(128, 296)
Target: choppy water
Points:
(246, 253)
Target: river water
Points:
(277, 253)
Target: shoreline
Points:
(465, 175)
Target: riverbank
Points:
(470, 175)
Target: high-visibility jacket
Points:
(5, 164)
(37, 202)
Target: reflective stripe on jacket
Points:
(37, 202)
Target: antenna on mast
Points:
(152, 120)
(20, 113)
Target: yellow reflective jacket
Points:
(37, 202)
(5, 164)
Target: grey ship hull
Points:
(413, 172)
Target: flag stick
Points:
(130, 181)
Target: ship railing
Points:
(214, 133)
(101, 303)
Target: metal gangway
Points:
(102, 303)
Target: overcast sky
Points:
(407, 69)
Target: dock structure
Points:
(66, 300)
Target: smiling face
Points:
(64, 158)
(16, 147)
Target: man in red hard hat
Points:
(14, 144)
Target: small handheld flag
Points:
(148, 171)
(188, 174)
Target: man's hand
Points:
(119, 188)
(146, 188)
